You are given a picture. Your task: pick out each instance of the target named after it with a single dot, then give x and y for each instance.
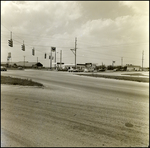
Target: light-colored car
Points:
(70, 70)
(88, 70)
(85, 70)
(3, 68)
(20, 68)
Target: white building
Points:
(131, 67)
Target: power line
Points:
(84, 43)
(104, 46)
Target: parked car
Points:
(70, 70)
(88, 70)
(3, 68)
(80, 70)
(20, 68)
(116, 69)
(85, 70)
(77, 70)
(91, 70)
(100, 70)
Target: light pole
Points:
(58, 64)
(55, 59)
(60, 58)
(50, 58)
(122, 61)
(75, 52)
(24, 62)
(142, 59)
(113, 64)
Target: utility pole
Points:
(24, 61)
(122, 61)
(11, 35)
(75, 52)
(7, 61)
(37, 59)
(55, 59)
(142, 59)
(60, 57)
(51, 58)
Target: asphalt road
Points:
(74, 111)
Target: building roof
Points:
(130, 65)
(21, 63)
(26, 63)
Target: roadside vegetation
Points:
(18, 81)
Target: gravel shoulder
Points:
(35, 117)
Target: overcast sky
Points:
(105, 31)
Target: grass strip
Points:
(18, 81)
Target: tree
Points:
(110, 67)
(100, 67)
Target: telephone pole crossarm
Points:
(72, 51)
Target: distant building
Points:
(25, 64)
(79, 66)
(67, 66)
(91, 66)
(131, 67)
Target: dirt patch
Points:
(18, 81)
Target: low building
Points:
(25, 64)
(131, 67)
(79, 66)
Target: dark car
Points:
(80, 70)
(75, 70)
(3, 68)
(101, 70)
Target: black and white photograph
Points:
(74, 73)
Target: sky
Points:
(105, 31)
